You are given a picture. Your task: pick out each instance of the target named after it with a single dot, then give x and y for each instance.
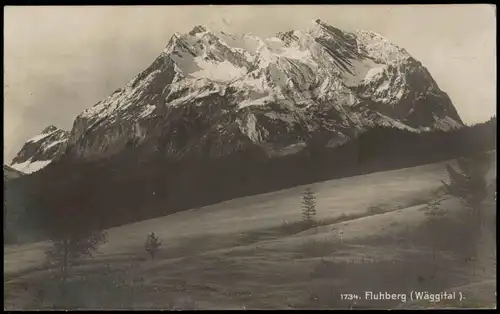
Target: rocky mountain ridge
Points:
(213, 94)
(41, 150)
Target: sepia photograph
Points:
(250, 157)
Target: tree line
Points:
(128, 188)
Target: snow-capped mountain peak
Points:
(216, 92)
(40, 150)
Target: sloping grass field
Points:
(253, 253)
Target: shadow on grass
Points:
(319, 247)
(296, 227)
(78, 263)
(445, 231)
(103, 287)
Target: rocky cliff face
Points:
(212, 94)
(40, 150)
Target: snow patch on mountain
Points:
(254, 82)
(40, 150)
(243, 41)
(295, 52)
(379, 48)
(374, 74)
(218, 71)
(446, 123)
(198, 89)
(360, 70)
(38, 137)
(49, 146)
(250, 128)
(273, 151)
(148, 110)
(30, 166)
(261, 101)
(10, 173)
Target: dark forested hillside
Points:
(131, 187)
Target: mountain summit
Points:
(41, 150)
(212, 94)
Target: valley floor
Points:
(251, 253)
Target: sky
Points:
(60, 60)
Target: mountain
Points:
(10, 173)
(40, 150)
(218, 116)
(213, 94)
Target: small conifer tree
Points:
(469, 185)
(308, 206)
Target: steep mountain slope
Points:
(10, 173)
(213, 94)
(40, 150)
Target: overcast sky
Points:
(61, 60)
